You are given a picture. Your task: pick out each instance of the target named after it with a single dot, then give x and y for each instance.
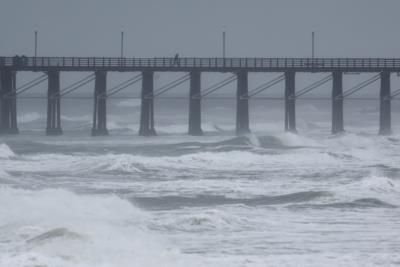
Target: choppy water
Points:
(267, 199)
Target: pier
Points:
(286, 69)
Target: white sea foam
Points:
(3, 174)
(115, 125)
(129, 103)
(253, 140)
(29, 117)
(381, 184)
(85, 118)
(291, 139)
(97, 230)
(59, 228)
(200, 220)
(6, 152)
(372, 186)
(232, 160)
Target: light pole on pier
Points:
(36, 39)
(313, 45)
(122, 43)
(224, 44)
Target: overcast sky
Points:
(267, 28)
(158, 28)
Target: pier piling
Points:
(147, 108)
(53, 104)
(290, 102)
(100, 104)
(8, 103)
(385, 127)
(242, 104)
(195, 104)
(337, 102)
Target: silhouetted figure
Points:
(176, 59)
(16, 60)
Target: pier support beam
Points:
(337, 102)
(242, 104)
(290, 102)
(385, 127)
(8, 103)
(195, 104)
(53, 104)
(100, 104)
(147, 108)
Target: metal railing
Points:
(109, 62)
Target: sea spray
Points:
(58, 227)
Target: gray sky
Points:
(267, 28)
(255, 28)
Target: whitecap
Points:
(129, 103)
(60, 228)
(6, 152)
(29, 117)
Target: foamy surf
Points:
(266, 199)
(59, 228)
(6, 152)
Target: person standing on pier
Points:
(176, 60)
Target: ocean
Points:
(266, 199)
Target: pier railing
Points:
(251, 63)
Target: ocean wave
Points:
(175, 202)
(83, 118)
(6, 152)
(59, 228)
(364, 203)
(52, 234)
(3, 174)
(200, 221)
(212, 158)
(232, 160)
(29, 117)
(368, 191)
(129, 103)
(380, 184)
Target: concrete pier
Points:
(290, 102)
(100, 104)
(147, 108)
(385, 127)
(53, 104)
(195, 67)
(8, 103)
(337, 102)
(242, 104)
(195, 104)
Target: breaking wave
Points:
(29, 117)
(6, 152)
(59, 228)
(175, 202)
